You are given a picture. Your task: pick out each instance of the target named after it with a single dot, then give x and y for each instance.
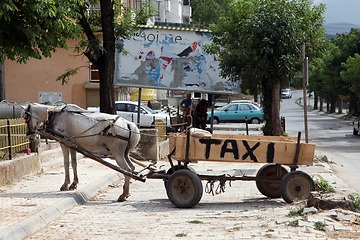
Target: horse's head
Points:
(201, 114)
(35, 115)
(202, 106)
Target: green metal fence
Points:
(12, 137)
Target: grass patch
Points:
(196, 222)
(294, 223)
(319, 226)
(181, 235)
(355, 197)
(323, 186)
(268, 235)
(237, 228)
(294, 212)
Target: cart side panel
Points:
(242, 150)
(255, 138)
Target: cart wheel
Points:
(170, 171)
(177, 168)
(296, 185)
(184, 189)
(270, 189)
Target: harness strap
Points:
(105, 132)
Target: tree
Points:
(34, 29)
(206, 12)
(351, 74)
(46, 25)
(332, 86)
(115, 22)
(259, 42)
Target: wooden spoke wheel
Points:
(184, 189)
(296, 185)
(270, 172)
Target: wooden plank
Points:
(242, 149)
(257, 138)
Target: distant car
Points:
(237, 112)
(286, 93)
(356, 125)
(129, 111)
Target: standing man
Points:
(187, 105)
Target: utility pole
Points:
(305, 71)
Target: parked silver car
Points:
(286, 93)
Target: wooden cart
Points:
(184, 187)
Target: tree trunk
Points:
(333, 104)
(327, 106)
(106, 63)
(353, 107)
(256, 95)
(321, 104)
(340, 105)
(316, 100)
(271, 103)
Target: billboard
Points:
(170, 58)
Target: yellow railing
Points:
(12, 137)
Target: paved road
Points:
(239, 213)
(332, 134)
(33, 208)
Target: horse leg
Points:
(73, 186)
(123, 162)
(65, 151)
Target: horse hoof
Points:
(72, 187)
(64, 188)
(122, 198)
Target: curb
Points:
(34, 223)
(343, 116)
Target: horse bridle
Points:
(27, 117)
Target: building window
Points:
(49, 97)
(94, 73)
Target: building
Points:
(35, 81)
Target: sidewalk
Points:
(31, 203)
(310, 107)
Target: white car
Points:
(129, 111)
(246, 101)
(286, 93)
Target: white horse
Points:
(103, 135)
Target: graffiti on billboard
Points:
(170, 59)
